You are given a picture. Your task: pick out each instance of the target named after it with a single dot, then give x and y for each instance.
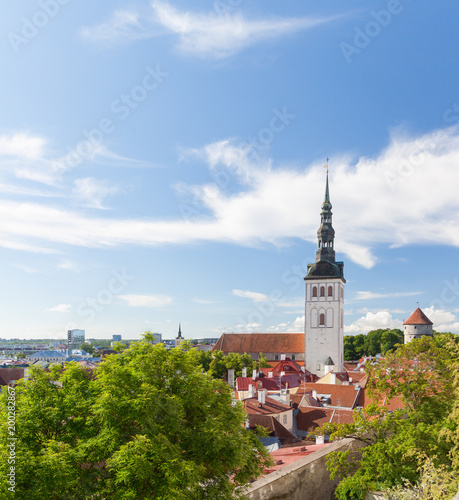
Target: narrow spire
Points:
(179, 332)
(327, 192)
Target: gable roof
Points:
(308, 418)
(9, 375)
(270, 407)
(268, 383)
(418, 318)
(345, 396)
(273, 426)
(261, 342)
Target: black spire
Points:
(179, 332)
(325, 265)
(326, 233)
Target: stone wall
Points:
(306, 479)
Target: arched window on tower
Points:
(330, 291)
(321, 319)
(322, 291)
(314, 291)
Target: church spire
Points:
(179, 332)
(326, 233)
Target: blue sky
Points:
(162, 162)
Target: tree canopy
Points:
(374, 342)
(423, 376)
(148, 423)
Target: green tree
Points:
(421, 375)
(146, 424)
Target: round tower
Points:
(417, 325)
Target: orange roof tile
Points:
(308, 418)
(344, 396)
(270, 407)
(418, 318)
(261, 342)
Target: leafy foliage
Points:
(146, 424)
(375, 342)
(421, 375)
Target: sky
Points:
(162, 162)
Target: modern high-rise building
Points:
(116, 338)
(75, 336)
(324, 310)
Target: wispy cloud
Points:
(207, 35)
(123, 25)
(372, 295)
(153, 301)
(61, 308)
(90, 192)
(267, 205)
(255, 296)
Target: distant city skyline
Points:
(163, 163)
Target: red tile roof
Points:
(270, 407)
(418, 318)
(9, 375)
(273, 426)
(271, 384)
(261, 342)
(310, 418)
(344, 396)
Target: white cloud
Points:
(255, 296)
(203, 301)
(69, 265)
(27, 269)
(271, 206)
(122, 26)
(62, 308)
(373, 295)
(373, 321)
(90, 192)
(146, 300)
(208, 35)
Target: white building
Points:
(417, 325)
(324, 309)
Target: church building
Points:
(324, 311)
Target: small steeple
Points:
(179, 332)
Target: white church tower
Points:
(324, 312)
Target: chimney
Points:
(251, 391)
(350, 380)
(262, 396)
(333, 378)
(254, 375)
(285, 396)
(270, 374)
(231, 378)
(244, 371)
(282, 357)
(314, 394)
(320, 439)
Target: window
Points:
(330, 291)
(276, 357)
(314, 291)
(322, 291)
(284, 419)
(322, 319)
(293, 357)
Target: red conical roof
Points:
(418, 318)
